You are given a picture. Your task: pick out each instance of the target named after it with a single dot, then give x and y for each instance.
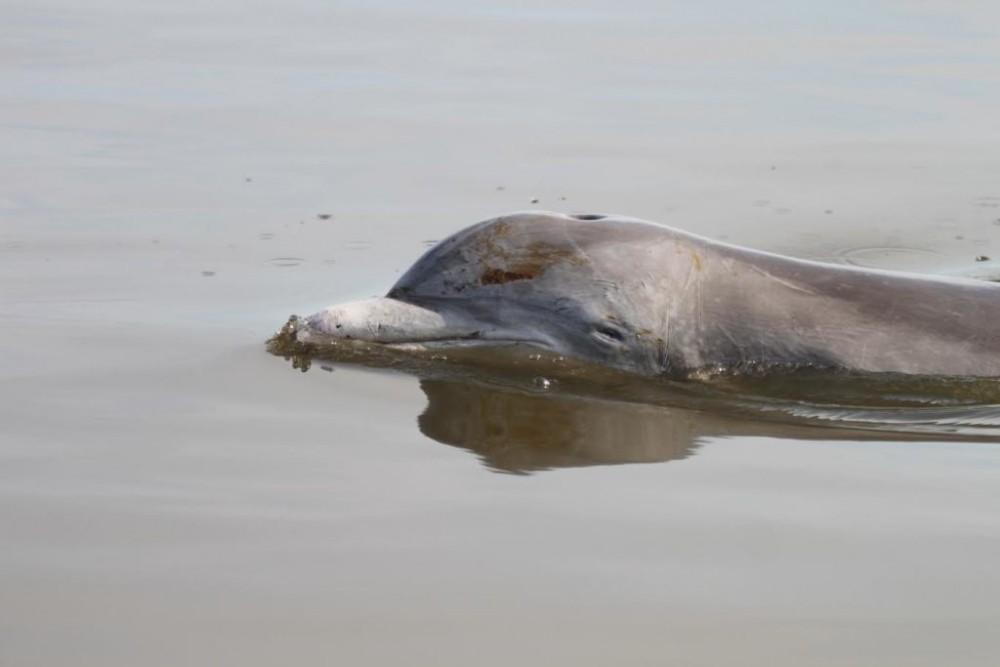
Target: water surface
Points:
(176, 180)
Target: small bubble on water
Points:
(208, 274)
(324, 216)
(543, 383)
(535, 200)
(982, 258)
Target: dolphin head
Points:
(574, 285)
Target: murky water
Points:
(176, 180)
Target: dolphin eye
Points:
(609, 332)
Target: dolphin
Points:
(650, 299)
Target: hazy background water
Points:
(171, 494)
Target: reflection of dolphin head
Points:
(516, 431)
(580, 286)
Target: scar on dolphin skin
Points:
(493, 276)
(526, 264)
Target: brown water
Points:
(172, 494)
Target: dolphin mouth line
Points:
(464, 342)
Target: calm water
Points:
(176, 180)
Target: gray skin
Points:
(654, 300)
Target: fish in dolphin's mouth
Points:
(388, 321)
(370, 332)
(393, 323)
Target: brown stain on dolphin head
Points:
(527, 263)
(493, 276)
(505, 264)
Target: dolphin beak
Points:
(386, 320)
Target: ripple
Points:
(286, 261)
(898, 258)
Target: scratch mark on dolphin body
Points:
(696, 261)
(738, 349)
(582, 256)
(781, 281)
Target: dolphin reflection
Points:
(519, 431)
